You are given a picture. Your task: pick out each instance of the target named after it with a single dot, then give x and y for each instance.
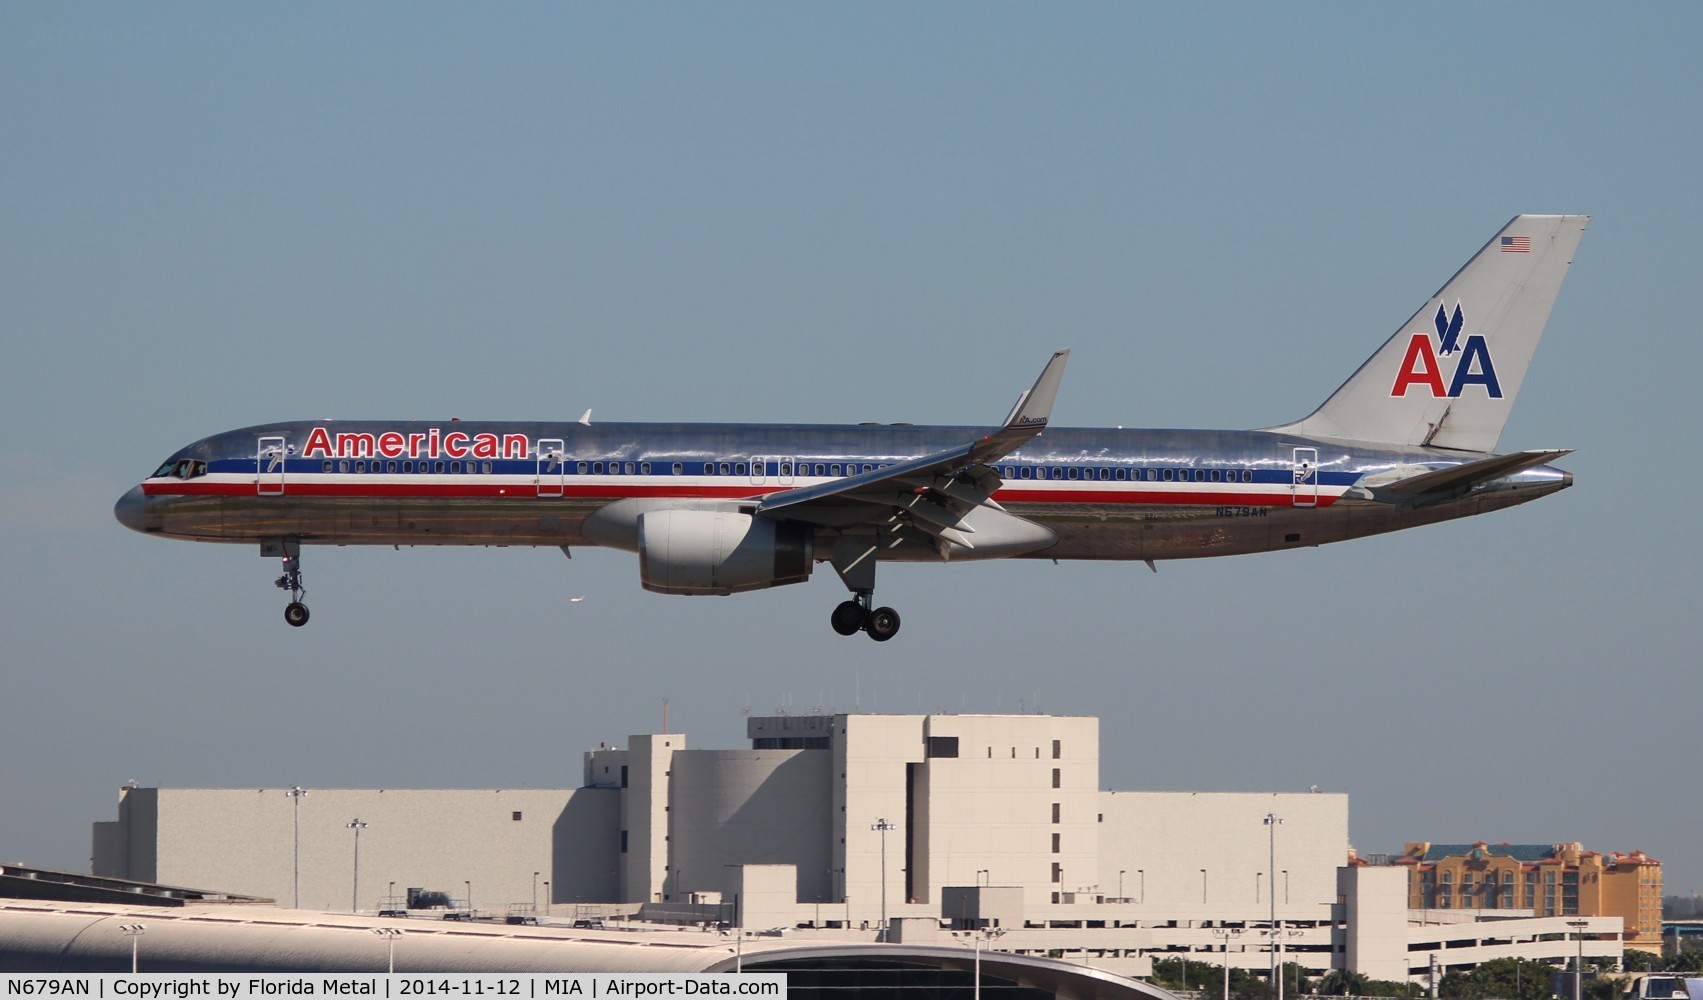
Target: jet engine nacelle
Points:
(719, 552)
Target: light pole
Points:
(1203, 885)
(355, 894)
(980, 936)
(1272, 822)
(882, 826)
(983, 871)
(547, 897)
(535, 894)
(1579, 965)
(738, 934)
(1294, 934)
(1224, 934)
(469, 884)
(132, 931)
(295, 793)
(1121, 898)
(390, 934)
(1141, 873)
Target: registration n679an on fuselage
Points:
(1409, 439)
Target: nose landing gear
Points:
(295, 612)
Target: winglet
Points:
(1036, 404)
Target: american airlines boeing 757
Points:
(1408, 440)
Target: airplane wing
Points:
(1447, 484)
(935, 493)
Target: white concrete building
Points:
(245, 840)
(989, 821)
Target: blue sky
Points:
(218, 215)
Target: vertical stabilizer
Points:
(1448, 377)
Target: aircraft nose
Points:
(130, 509)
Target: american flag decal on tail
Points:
(1516, 244)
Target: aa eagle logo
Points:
(1422, 370)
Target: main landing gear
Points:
(854, 616)
(295, 612)
(854, 560)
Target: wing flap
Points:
(944, 498)
(943, 471)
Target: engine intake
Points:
(720, 552)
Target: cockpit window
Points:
(180, 468)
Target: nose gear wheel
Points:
(295, 612)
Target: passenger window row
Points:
(1115, 474)
(187, 469)
(405, 465)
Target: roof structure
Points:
(1528, 853)
(57, 937)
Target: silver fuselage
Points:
(1105, 493)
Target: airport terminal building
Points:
(835, 826)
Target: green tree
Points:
(1459, 986)
(1392, 988)
(1513, 979)
(1295, 981)
(1184, 974)
(1344, 983)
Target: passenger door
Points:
(1304, 491)
(269, 467)
(552, 467)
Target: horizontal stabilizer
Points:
(1445, 484)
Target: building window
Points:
(1056, 778)
(623, 841)
(623, 776)
(1056, 838)
(515, 816)
(1058, 872)
(1058, 749)
(942, 746)
(1055, 812)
